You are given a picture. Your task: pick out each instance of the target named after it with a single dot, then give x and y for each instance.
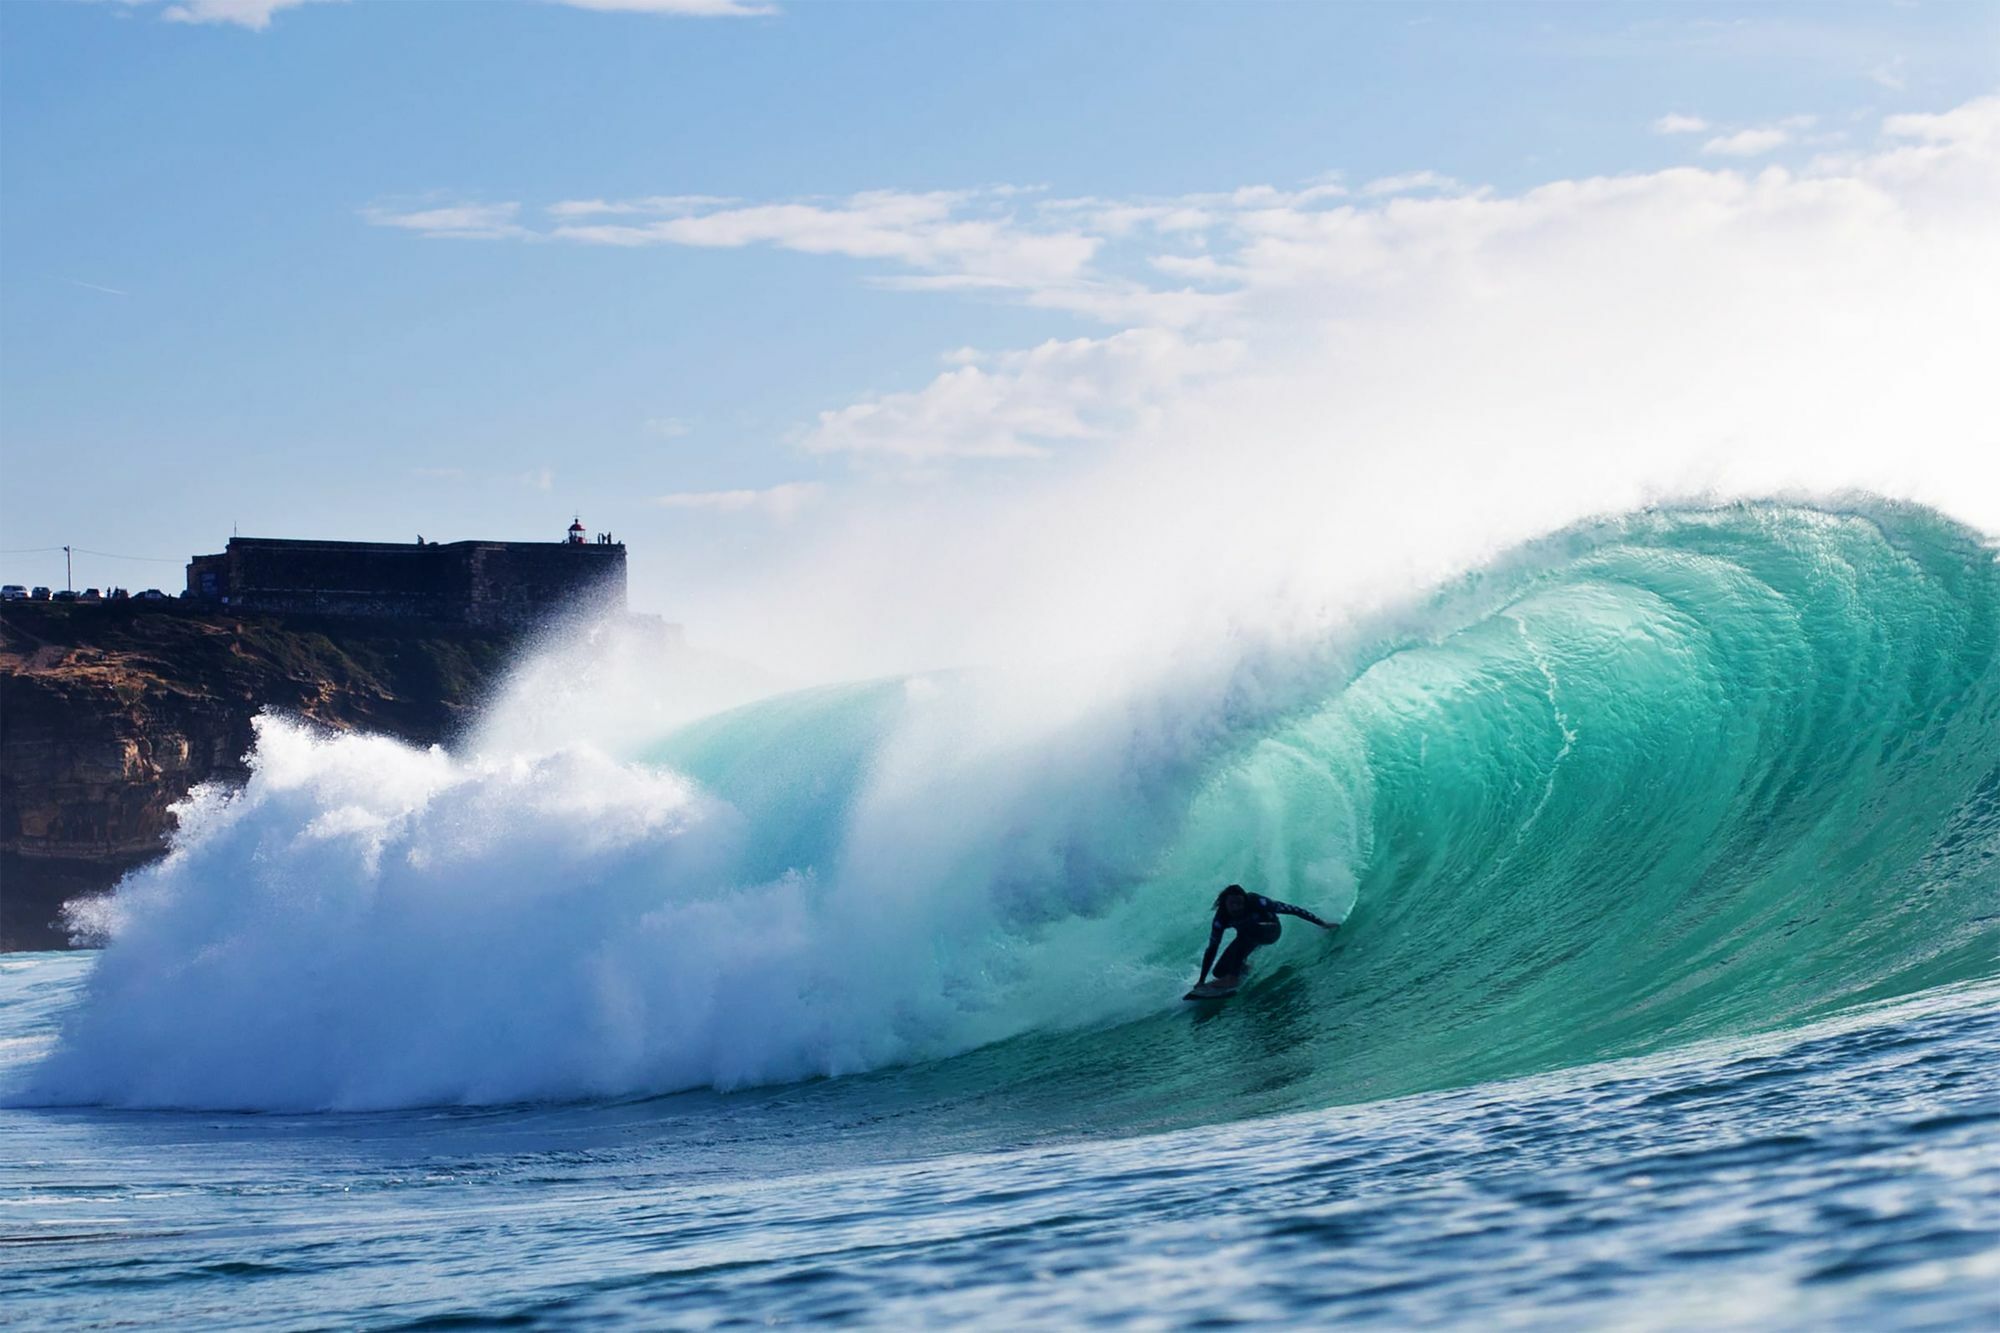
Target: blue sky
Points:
(376, 269)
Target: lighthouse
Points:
(576, 531)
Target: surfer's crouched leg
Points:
(1236, 957)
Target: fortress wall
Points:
(488, 584)
(518, 584)
(347, 578)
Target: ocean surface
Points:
(1667, 992)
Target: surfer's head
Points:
(1232, 899)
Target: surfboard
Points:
(1214, 990)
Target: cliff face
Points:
(110, 713)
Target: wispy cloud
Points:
(1004, 241)
(682, 8)
(1017, 404)
(657, 204)
(1759, 139)
(452, 221)
(781, 503)
(667, 428)
(1676, 123)
(1410, 182)
(1747, 143)
(1891, 74)
(256, 14)
(252, 14)
(1196, 288)
(971, 236)
(96, 287)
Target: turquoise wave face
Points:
(1685, 773)
(1696, 772)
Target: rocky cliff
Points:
(110, 713)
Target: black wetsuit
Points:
(1255, 926)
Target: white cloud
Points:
(781, 503)
(1676, 123)
(252, 14)
(1002, 241)
(667, 428)
(1748, 143)
(659, 203)
(584, 208)
(1118, 220)
(452, 221)
(1975, 124)
(684, 8)
(1199, 291)
(966, 235)
(1891, 74)
(1410, 182)
(995, 240)
(1760, 139)
(256, 14)
(1018, 404)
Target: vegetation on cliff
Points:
(110, 713)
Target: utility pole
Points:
(69, 577)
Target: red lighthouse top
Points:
(576, 532)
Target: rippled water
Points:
(1842, 1175)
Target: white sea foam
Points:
(370, 924)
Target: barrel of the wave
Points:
(1686, 773)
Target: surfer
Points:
(1254, 918)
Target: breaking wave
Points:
(1687, 772)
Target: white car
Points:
(14, 592)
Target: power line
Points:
(112, 555)
(85, 550)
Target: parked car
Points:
(149, 595)
(40, 594)
(90, 595)
(13, 592)
(117, 595)
(66, 595)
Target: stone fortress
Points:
(484, 584)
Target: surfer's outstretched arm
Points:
(1290, 910)
(1208, 958)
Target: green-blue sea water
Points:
(1667, 857)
